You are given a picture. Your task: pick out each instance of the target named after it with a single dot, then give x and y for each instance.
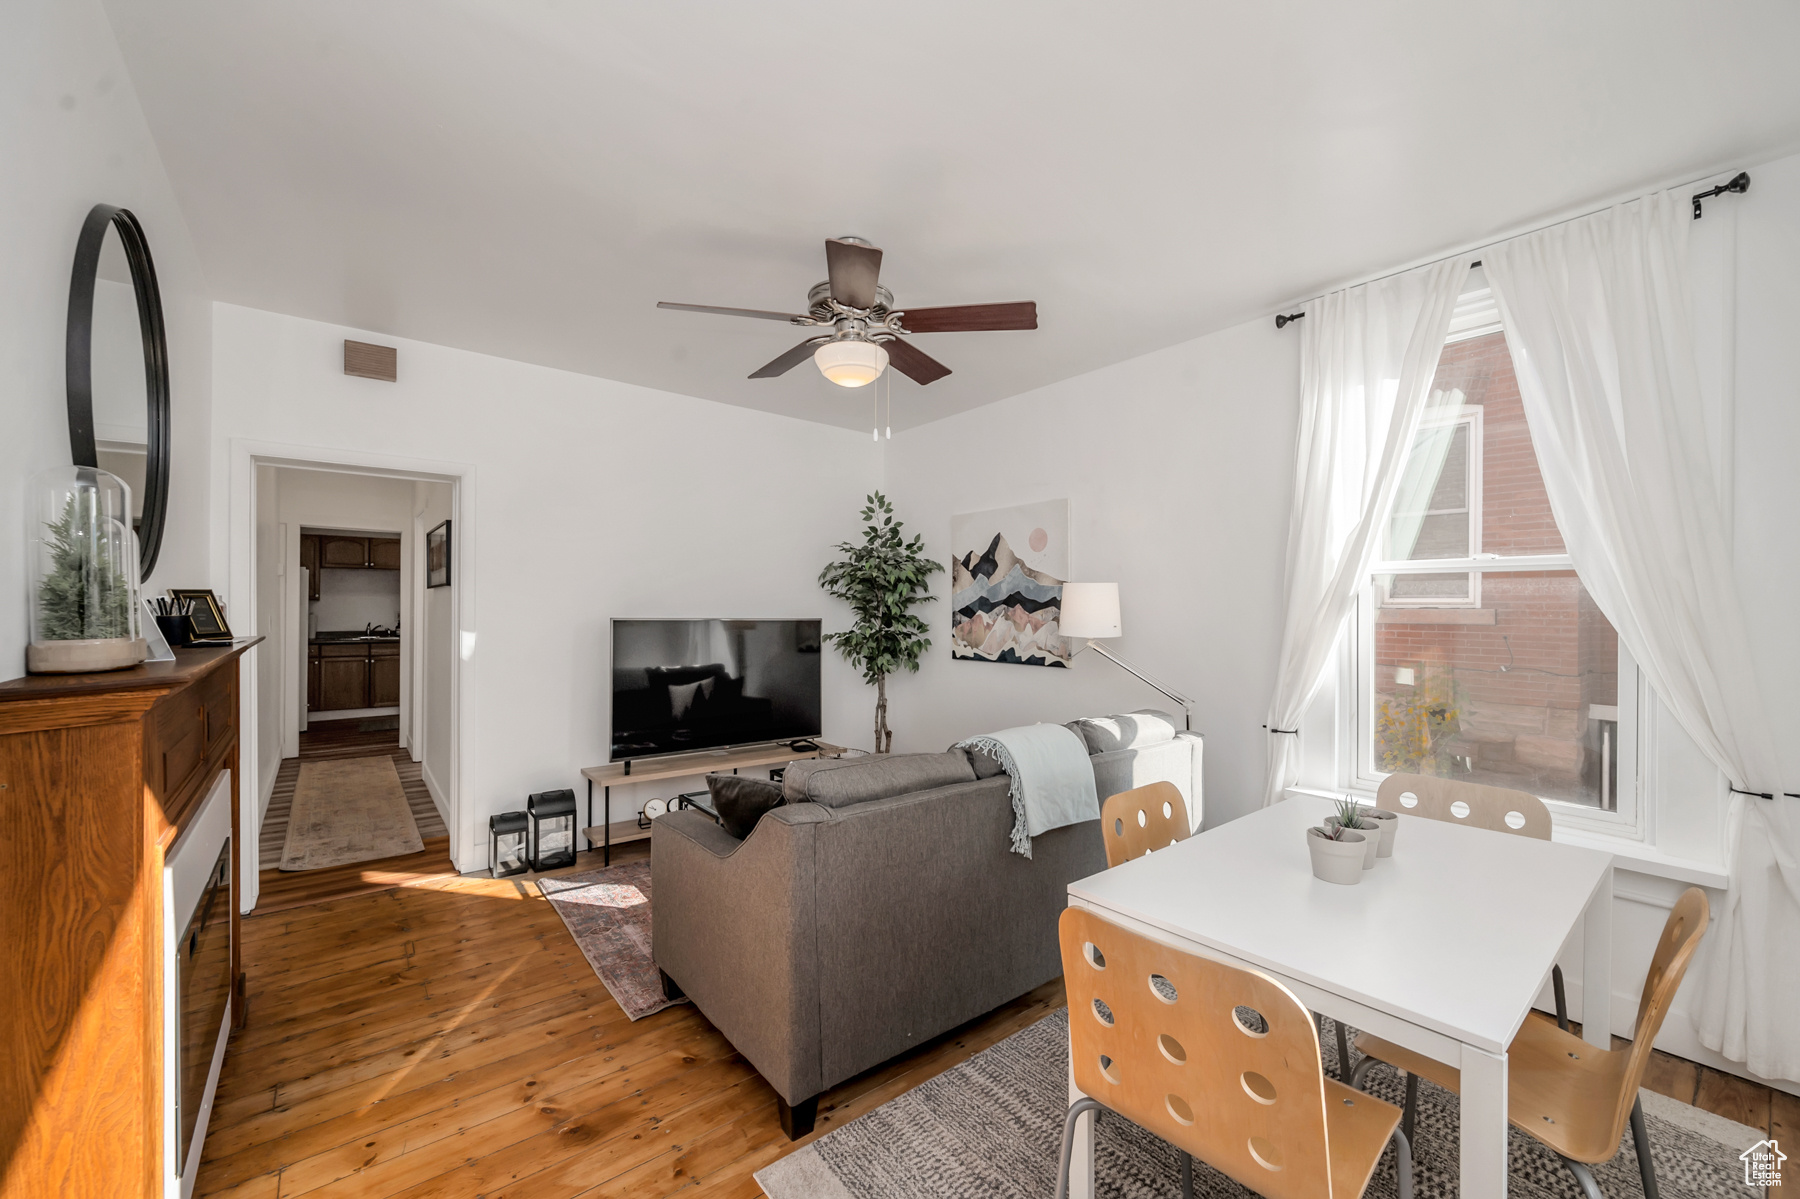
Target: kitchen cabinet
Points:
(384, 675)
(355, 553)
(343, 677)
(343, 551)
(384, 553)
(357, 674)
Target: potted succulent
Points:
(1353, 817)
(1338, 853)
(1388, 823)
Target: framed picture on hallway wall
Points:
(437, 556)
(1006, 575)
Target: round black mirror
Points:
(118, 368)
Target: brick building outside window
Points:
(1481, 655)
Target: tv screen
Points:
(681, 685)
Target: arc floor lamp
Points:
(1090, 613)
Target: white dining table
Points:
(1441, 948)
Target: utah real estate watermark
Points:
(1762, 1164)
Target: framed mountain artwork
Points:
(1006, 581)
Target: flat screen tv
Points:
(682, 685)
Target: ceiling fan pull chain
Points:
(890, 399)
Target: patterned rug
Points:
(608, 913)
(348, 810)
(992, 1127)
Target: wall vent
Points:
(371, 362)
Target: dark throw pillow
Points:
(741, 802)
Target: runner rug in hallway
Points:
(348, 810)
(992, 1126)
(608, 914)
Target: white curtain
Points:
(1597, 317)
(1368, 355)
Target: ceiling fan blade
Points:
(787, 361)
(854, 271)
(913, 362)
(758, 313)
(970, 318)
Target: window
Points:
(1477, 652)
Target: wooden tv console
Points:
(677, 766)
(100, 775)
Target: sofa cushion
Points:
(986, 764)
(741, 801)
(840, 782)
(1107, 734)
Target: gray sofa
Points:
(880, 905)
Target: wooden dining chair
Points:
(1498, 809)
(1575, 1098)
(1135, 822)
(1220, 1062)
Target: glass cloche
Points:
(83, 563)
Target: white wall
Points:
(71, 136)
(271, 579)
(1178, 467)
(595, 499)
(436, 672)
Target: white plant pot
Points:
(1389, 824)
(1371, 841)
(1337, 861)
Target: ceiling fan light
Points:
(851, 363)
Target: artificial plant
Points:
(883, 579)
(84, 595)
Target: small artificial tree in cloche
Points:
(883, 579)
(84, 594)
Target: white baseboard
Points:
(438, 799)
(267, 785)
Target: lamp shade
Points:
(851, 363)
(1089, 610)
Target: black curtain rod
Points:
(1287, 318)
(1738, 184)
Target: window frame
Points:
(1472, 414)
(1355, 700)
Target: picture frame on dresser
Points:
(207, 616)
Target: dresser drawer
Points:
(181, 739)
(218, 712)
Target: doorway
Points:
(354, 694)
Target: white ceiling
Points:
(527, 178)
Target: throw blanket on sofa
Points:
(1052, 780)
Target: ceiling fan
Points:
(862, 326)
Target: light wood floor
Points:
(444, 1037)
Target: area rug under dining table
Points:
(992, 1126)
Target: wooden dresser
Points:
(100, 775)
